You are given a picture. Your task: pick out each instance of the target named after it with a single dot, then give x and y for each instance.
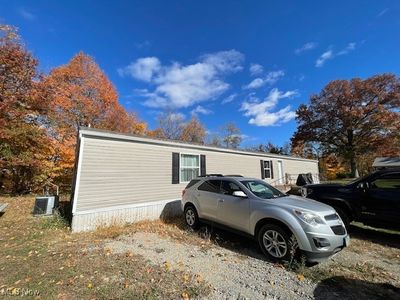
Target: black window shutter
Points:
(202, 165)
(272, 169)
(175, 168)
(262, 169)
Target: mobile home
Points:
(121, 178)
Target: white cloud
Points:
(26, 14)
(142, 45)
(201, 110)
(382, 12)
(323, 58)
(256, 69)
(228, 99)
(143, 69)
(330, 54)
(301, 77)
(261, 113)
(225, 61)
(179, 86)
(270, 78)
(350, 47)
(306, 47)
(255, 83)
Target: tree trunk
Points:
(353, 166)
(351, 154)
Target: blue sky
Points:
(250, 62)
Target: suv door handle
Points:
(220, 200)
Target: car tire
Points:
(276, 243)
(344, 216)
(191, 217)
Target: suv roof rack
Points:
(220, 175)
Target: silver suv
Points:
(278, 221)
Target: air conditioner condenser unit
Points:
(44, 205)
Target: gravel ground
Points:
(232, 275)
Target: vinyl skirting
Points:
(90, 220)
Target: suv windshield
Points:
(359, 179)
(262, 189)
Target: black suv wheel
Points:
(345, 218)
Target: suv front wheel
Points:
(191, 217)
(276, 243)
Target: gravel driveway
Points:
(235, 268)
(232, 276)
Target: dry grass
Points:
(368, 269)
(40, 255)
(174, 228)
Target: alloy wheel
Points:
(275, 243)
(190, 217)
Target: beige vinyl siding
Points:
(296, 167)
(235, 164)
(120, 173)
(117, 172)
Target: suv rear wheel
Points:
(276, 243)
(191, 217)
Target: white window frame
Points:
(281, 172)
(267, 168)
(183, 167)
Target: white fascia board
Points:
(78, 172)
(125, 137)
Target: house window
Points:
(267, 169)
(189, 167)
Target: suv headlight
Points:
(309, 217)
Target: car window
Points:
(388, 181)
(262, 189)
(192, 183)
(212, 186)
(228, 187)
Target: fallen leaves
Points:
(129, 254)
(167, 265)
(300, 277)
(185, 278)
(108, 251)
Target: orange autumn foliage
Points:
(193, 132)
(24, 146)
(82, 95)
(40, 115)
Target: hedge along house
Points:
(122, 178)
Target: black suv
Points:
(373, 199)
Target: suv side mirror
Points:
(362, 185)
(240, 194)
